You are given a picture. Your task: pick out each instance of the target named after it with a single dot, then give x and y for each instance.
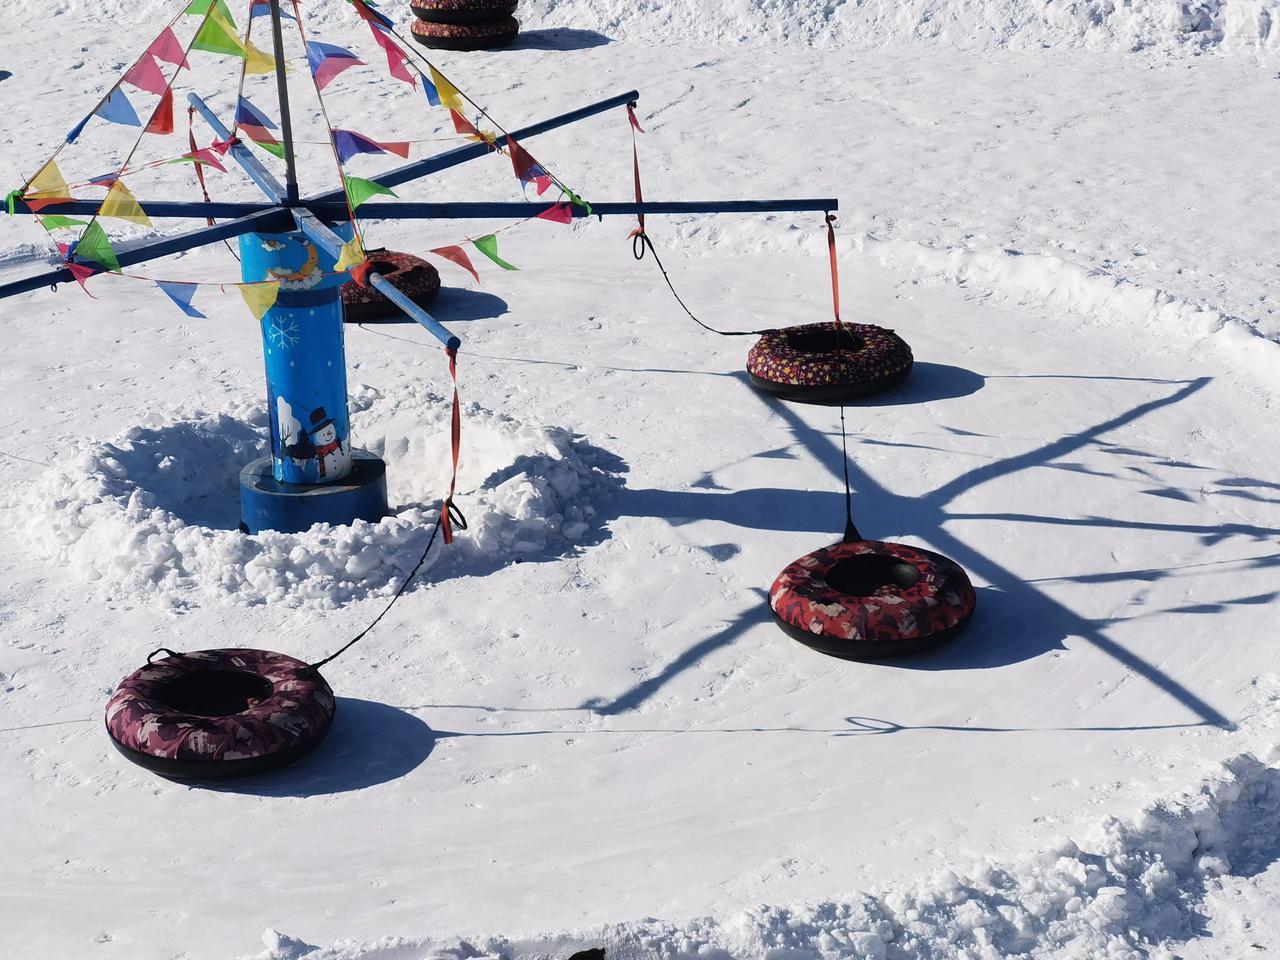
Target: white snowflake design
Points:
(283, 334)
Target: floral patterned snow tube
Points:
(821, 362)
(482, 35)
(872, 599)
(213, 714)
(412, 276)
(462, 11)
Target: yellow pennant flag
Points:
(257, 60)
(450, 98)
(123, 205)
(259, 297)
(48, 183)
(352, 255)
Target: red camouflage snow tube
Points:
(412, 276)
(809, 363)
(213, 714)
(462, 11)
(871, 599)
(484, 35)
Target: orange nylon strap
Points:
(835, 270)
(455, 433)
(635, 169)
(191, 137)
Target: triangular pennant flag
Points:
(78, 129)
(55, 221)
(196, 7)
(557, 213)
(123, 205)
(118, 109)
(257, 61)
(351, 255)
(104, 180)
(359, 190)
(488, 245)
(374, 18)
(207, 155)
(528, 170)
(463, 125)
(94, 246)
(259, 297)
(162, 119)
(349, 143)
(327, 61)
(147, 75)
(397, 62)
(262, 8)
(459, 256)
(82, 272)
(47, 185)
(429, 88)
(221, 147)
(218, 35)
(251, 121)
(167, 48)
(449, 96)
(182, 294)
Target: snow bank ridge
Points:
(1128, 894)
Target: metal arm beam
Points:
(412, 210)
(459, 155)
(331, 243)
(155, 209)
(251, 165)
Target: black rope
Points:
(851, 534)
(455, 515)
(639, 243)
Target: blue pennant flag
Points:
(349, 143)
(429, 88)
(118, 109)
(327, 61)
(182, 294)
(78, 129)
(249, 115)
(262, 8)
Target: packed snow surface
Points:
(580, 725)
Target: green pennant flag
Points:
(359, 190)
(275, 149)
(53, 221)
(489, 247)
(95, 246)
(198, 7)
(218, 35)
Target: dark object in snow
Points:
(824, 362)
(595, 953)
(5, 74)
(214, 714)
(412, 276)
(482, 35)
(462, 11)
(868, 599)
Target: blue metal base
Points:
(268, 504)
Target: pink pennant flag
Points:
(557, 213)
(206, 155)
(80, 271)
(167, 48)
(458, 256)
(396, 59)
(147, 75)
(222, 146)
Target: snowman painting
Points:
(332, 453)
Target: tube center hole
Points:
(215, 693)
(862, 575)
(826, 340)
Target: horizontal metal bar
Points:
(451, 158)
(274, 220)
(331, 243)
(259, 174)
(154, 208)
(413, 210)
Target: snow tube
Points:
(483, 35)
(871, 599)
(214, 714)
(818, 362)
(412, 276)
(462, 11)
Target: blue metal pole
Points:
(259, 174)
(331, 243)
(413, 210)
(156, 209)
(451, 158)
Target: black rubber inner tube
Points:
(863, 575)
(465, 13)
(215, 693)
(499, 33)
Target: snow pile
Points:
(1128, 894)
(154, 513)
(1121, 24)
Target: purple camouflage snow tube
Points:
(219, 713)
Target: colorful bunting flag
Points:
(464, 126)
(351, 255)
(259, 297)
(121, 204)
(459, 256)
(48, 186)
(527, 169)
(167, 48)
(162, 119)
(557, 213)
(218, 33)
(117, 109)
(258, 61)
(349, 143)
(81, 272)
(147, 75)
(448, 94)
(182, 294)
(359, 190)
(78, 129)
(252, 122)
(374, 18)
(94, 246)
(262, 8)
(488, 245)
(55, 221)
(207, 155)
(198, 7)
(429, 88)
(328, 60)
(397, 62)
(104, 180)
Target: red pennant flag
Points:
(162, 119)
(458, 256)
(222, 146)
(147, 75)
(558, 213)
(396, 59)
(167, 48)
(36, 204)
(463, 125)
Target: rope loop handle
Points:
(152, 654)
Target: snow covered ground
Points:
(582, 717)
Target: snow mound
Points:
(153, 515)
(1129, 893)
(1124, 24)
